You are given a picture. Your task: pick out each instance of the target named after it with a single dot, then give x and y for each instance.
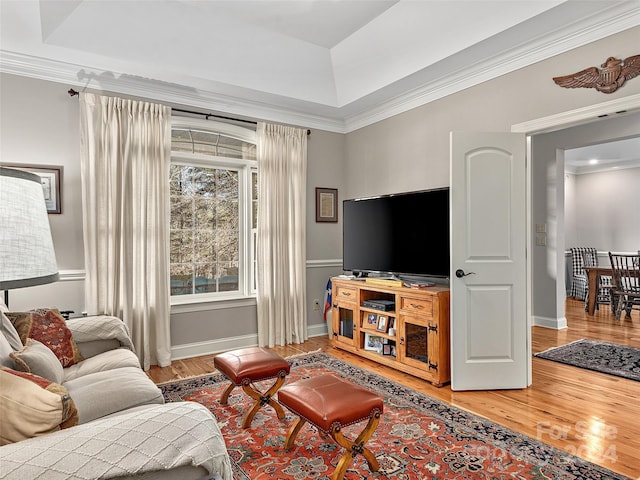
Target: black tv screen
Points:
(406, 233)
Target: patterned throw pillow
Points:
(31, 405)
(36, 358)
(49, 328)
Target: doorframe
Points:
(551, 123)
(579, 116)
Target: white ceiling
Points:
(333, 64)
(603, 157)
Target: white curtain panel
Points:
(281, 244)
(125, 156)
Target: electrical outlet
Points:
(316, 304)
(541, 241)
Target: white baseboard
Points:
(317, 330)
(189, 350)
(549, 322)
(210, 347)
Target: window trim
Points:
(241, 133)
(244, 167)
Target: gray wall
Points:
(411, 151)
(39, 124)
(603, 210)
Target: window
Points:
(213, 191)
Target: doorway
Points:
(546, 203)
(601, 193)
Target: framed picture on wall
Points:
(326, 205)
(51, 179)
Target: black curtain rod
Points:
(73, 93)
(207, 115)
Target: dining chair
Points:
(604, 286)
(626, 282)
(588, 257)
(579, 282)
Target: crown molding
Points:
(609, 167)
(123, 83)
(613, 20)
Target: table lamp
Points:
(27, 257)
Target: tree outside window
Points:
(212, 238)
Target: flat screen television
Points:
(402, 234)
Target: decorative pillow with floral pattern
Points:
(49, 328)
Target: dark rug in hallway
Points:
(604, 357)
(418, 438)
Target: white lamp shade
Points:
(27, 256)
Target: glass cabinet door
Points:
(343, 324)
(414, 349)
(417, 344)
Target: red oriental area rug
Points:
(418, 438)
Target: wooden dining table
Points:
(593, 274)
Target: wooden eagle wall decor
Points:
(612, 76)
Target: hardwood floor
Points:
(592, 415)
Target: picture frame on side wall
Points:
(51, 179)
(326, 205)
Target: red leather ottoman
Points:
(248, 365)
(331, 403)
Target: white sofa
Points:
(122, 430)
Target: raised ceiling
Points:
(333, 64)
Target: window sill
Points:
(187, 305)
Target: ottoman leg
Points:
(224, 399)
(356, 447)
(293, 433)
(262, 399)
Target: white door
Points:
(490, 346)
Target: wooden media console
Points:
(411, 335)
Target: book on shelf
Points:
(346, 329)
